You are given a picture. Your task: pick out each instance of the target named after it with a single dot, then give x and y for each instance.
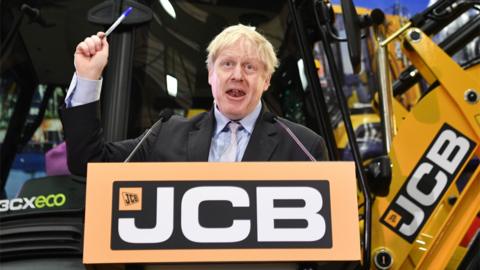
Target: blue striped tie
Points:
(230, 153)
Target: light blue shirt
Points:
(82, 91)
(221, 136)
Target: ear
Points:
(210, 74)
(266, 83)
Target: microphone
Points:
(165, 115)
(274, 119)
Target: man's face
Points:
(238, 79)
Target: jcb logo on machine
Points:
(221, 214)
(432, 176)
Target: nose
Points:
(237, 73)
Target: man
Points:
(240, 65)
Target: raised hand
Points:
(91, 56)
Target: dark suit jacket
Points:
(179, 139)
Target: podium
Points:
(207, 212)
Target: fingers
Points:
(91, 45)
(105, 47)
(97, 42)
(82, 48)
(91, 56)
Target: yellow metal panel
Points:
(457, 258)
(437, 65)
(444, 105)
(460, 218)
(414, 136)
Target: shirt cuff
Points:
(82, 91)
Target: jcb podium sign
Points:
(221, 212)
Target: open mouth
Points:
(235, 93)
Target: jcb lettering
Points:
(163, 229)
(240, 228)
(423, 173)
(415, 211)
(443, 152)
(229, 215)
(267, 214)
(428, 182)
(195, 232)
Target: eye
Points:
(227, 63)
(250, 67)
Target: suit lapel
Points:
(200, 138)
(263, 142)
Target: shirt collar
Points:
(248, 122)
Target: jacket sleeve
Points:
(85, 142)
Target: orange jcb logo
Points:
(130, 199)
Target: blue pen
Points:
(118, 21)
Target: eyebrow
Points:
(256, 59)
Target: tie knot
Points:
(233, 126)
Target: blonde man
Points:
(240, 65)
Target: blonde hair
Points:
(233, 34)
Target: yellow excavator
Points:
(419, 199)
(434, 196)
